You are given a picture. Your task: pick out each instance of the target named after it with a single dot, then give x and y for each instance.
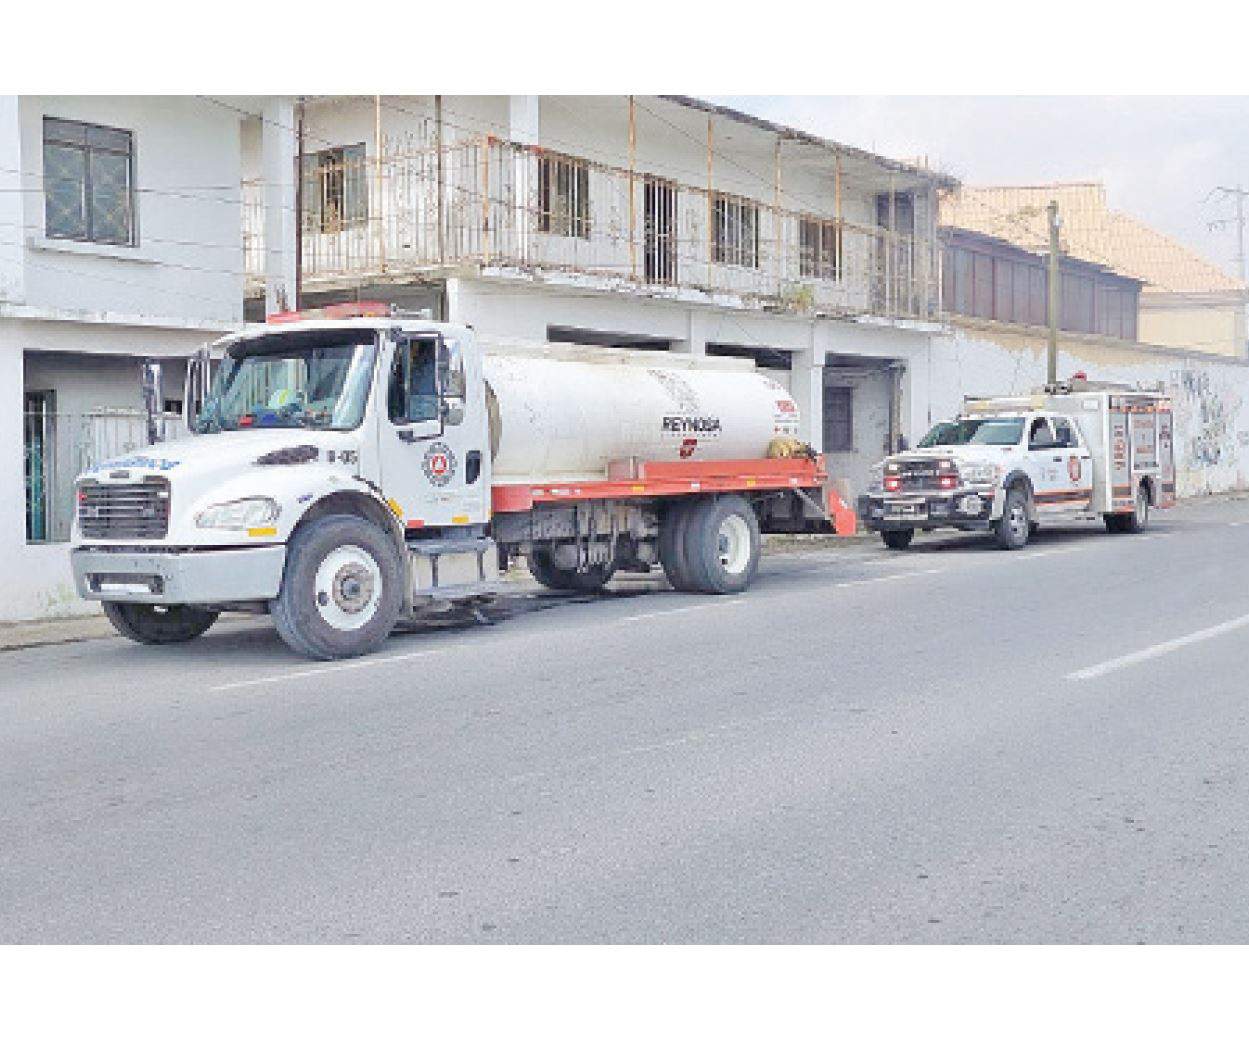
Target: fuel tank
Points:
(565, 412)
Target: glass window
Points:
(974, 431)
(321, 384)
(88, 177)
(335, 189)
(735, 231)
(563, 196)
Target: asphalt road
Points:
(951, 744)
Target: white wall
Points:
(38, 582)
(188, 263)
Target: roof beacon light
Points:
(334, 312)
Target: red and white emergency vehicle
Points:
(351, 470)
(1075, 450)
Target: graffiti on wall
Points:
(1206, 419)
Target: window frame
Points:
(88, 148)
(319, 168)
(564, 213)
(732, 242)
(844, 423)
(821, 257)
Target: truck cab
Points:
(1006, 465)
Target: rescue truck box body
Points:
(1078, 450)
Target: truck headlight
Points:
(980, 472)
(239, 515)
(876, 477)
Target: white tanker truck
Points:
(344, 474)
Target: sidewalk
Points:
(18, 635)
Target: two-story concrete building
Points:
(656, 222)
(120, 239)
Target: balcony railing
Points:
(489, 204)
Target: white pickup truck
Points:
(1075, 450)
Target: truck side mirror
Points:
(152, 391)
(196, 386)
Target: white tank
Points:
(564, 412)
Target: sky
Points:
(1159, 157)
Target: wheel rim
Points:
(1017, 520)
(348, 588)
(733, 544)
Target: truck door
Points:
(432, 448)
(1076, 465)
(1062, 475)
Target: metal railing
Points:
(58, 446)
(487, 203)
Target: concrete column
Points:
(12, 202)
(12, 385)
(524, 113)
(695, 341)
(806, 384)
(278, 149)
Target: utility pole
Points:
(1238, 194)
(1055, 294)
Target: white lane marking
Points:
(329, 669)
(886, 577)
(684, 610)
(1159, 649)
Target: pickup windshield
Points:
(974, 431)
(319, 380)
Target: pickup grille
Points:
(124, 510)
(920, 476)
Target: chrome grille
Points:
(124, 510)
(920, 476)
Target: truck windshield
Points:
(312, 380)
(974, 431)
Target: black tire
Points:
(1013, 529)
(672, 546)
(722, 545)
(545, 572)
(1113, 522)
(307, 617)
(1033, 528)
(155, 625)
(898, 539)
(1138, 519)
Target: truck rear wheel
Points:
(722, 545)
(1012, 530)
(898, 539)
(342, 589)
(155, 624)
(672, 556)
(545, 572)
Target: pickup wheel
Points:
(898, 539)
(672, 546)
(342, 589)
(545, 572)
(155, 624)
(1013, 529)
(722, 545)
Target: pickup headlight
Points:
(239, 515)
(876, 477)
(980, 472)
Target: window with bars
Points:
(88, 182)
(819, 249)
(563, 196)
(735, 231)
(335, 189)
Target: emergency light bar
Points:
(334, 311)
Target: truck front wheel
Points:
(154, 624)
(722, 545)
(1013, 529)
(898, 539)
(342, 589)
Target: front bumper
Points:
(963, 508)
(174, 576)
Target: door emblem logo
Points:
(438, 464)
(1073, 468)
